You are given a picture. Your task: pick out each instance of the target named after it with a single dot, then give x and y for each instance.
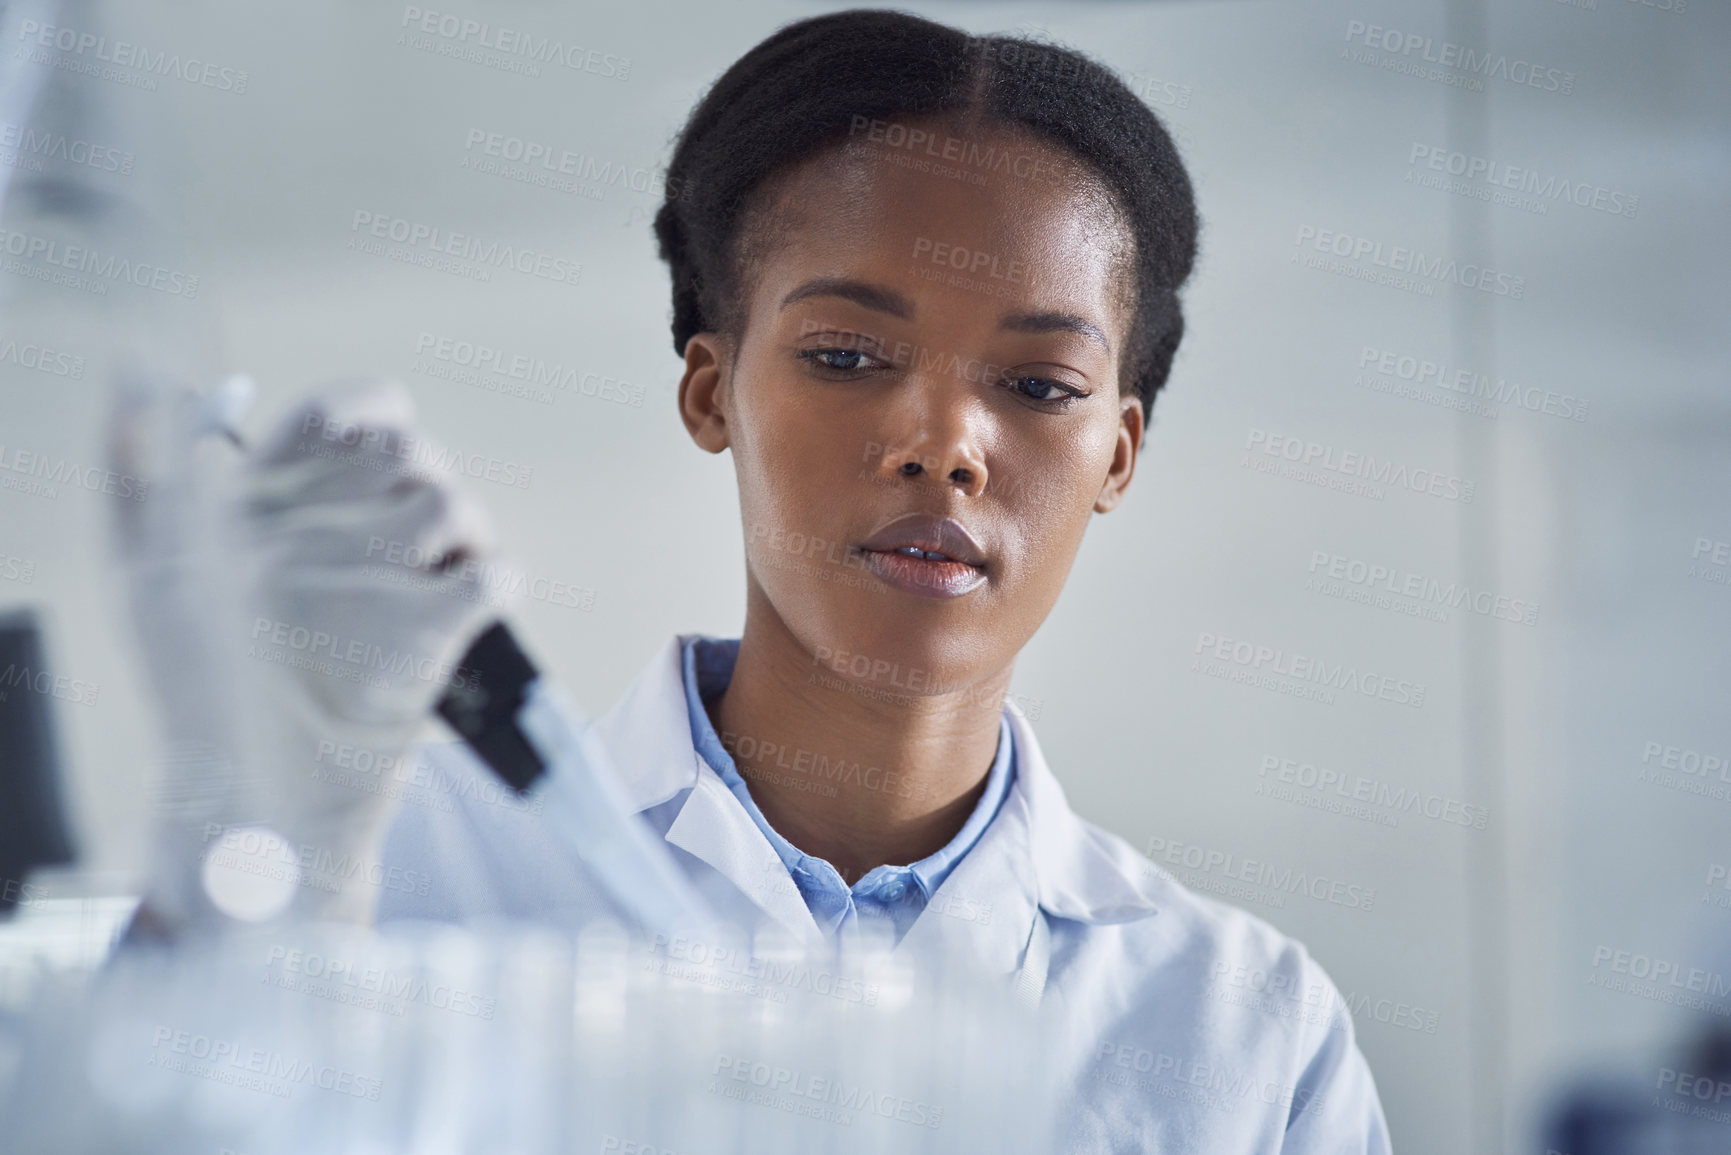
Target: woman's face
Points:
(923, 407)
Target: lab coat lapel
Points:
(1082, 876)
(648, 735)
(986, 907)
(714, 827)
(1035, 857)
(648, 738)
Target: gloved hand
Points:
(301, 610)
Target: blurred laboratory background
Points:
(1453, 407)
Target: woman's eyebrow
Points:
(875, 297)
(882, 299)
(1054, 323)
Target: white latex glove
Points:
(298, 609)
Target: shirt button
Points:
(894, 891)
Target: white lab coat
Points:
(1191, 1025)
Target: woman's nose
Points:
(936, 439)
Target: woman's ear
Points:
(704, 390)
(1130, 426)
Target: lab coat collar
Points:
(648, 738)
(1035, 852)
(1081, 876)
(649, 735)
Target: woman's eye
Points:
(840, 360)
(1044, 389)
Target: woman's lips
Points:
(925, 555)
(924, 576)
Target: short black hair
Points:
(816, 81)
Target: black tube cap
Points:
(33, 828)
(482, 701)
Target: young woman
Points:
(924, 285)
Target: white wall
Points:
(1288, 125)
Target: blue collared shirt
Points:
(896, 893)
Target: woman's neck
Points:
(858, 775)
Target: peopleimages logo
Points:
(496, 45)
(425, 244)
(17, 569)
(1493, 180)
(1399, 266)
(1302, 675)
(1225, 873)
(696, 959)
(392, 451)
(252, 850)
(540, 163)
(1718, 878)
(1453, 63)
(88, 269)
(1372, 792)
(1386, 367)
(341, 980)
(42, 359)
(43, 475)
(969, 154)
(1692, 771)
(1280, 993)
(802, 1093)
(1660, 980)
(539, 378)
(1710, 560)
(284, 643)
(87, 52)
(1219, 1085)
(1347, 470)
(46, 682)
(254, 1068)
(1355, 579)
(41, 144)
